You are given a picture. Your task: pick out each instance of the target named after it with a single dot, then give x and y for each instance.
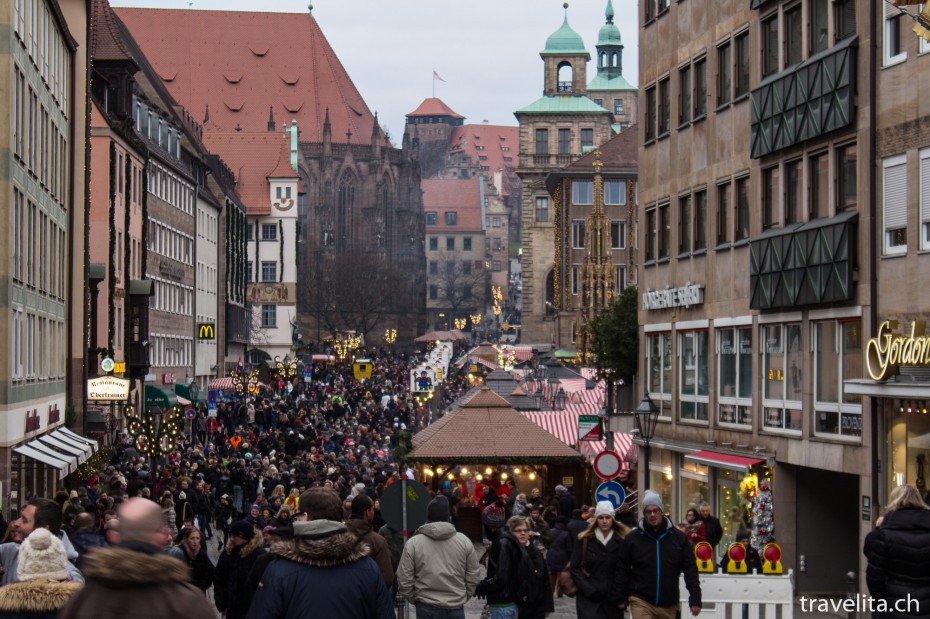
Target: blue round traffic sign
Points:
(611, 491)
(191, 413)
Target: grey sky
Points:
(486, 50)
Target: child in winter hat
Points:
(42, 555)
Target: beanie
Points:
(651, 498)
(604, 508)
(438, 510)
(42, 555)
(242, 528)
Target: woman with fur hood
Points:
(230, 592)
(43, 584)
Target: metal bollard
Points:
(851, 594)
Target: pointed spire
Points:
(271, 118)
(327, 140)
(206, 115)
(609, 13)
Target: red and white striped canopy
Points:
(225, 383)
(564, 426)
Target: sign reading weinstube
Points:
(685, 296)
(886, 351)
(107, 388)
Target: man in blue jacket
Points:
(652, 558)
(324, 571)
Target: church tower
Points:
(609, 88)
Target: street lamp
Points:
(646, 414)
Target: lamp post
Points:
(646, 414)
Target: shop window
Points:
(734, 493)
(837, 358)
(661, 475)
(734, 376)
(694, 488)
(659, 363)
(907, 450)
(782, 379)
(693, 388)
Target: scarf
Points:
(603, 539)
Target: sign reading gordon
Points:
(887, 350)
(107, 388)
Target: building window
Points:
(269, 232)
(818, 201)
(466, 267)
(433, 292)
(837, 358)
(649, 133)
(587, 139)
(614, 193)
(769, 197)
(894, 204)
(664, 231)
(700, 220)
(693, 390)
(664, 107)
(649, 10)
(618, 106)
(542, 141)
(650, 240)
(925, 197)
(269, 316)
(684, 94)
(793, 191)
(894, 34)
(845, 13)
(723, 74)
(742, 209)
(431, 218)
(577, 234)
(452, 218)
(496, 266)
(433, 267)
(741, 87)
(269, 271)
(818, 25)
(769, 34)
(734, 384)
(684, 224)
(700, 88)
(620, 278)
(542, 210)
(793, 42)
(846, 158)
(782, 360)
(659, 363)
(576, 277)
(582, 192)
(599, 102)
(433, 243)
(450, 243)
(495, 222)
(617, 234)
(723, 205)
(466, 243)
(565, 141)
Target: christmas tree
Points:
(763, 516)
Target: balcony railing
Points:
(565, 86)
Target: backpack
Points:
(530, 587)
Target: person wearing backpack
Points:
(595, 565)
(533, 594)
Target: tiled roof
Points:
(557, 104)
(434, 107)
(602, 81)
(460, 195)
(240, 63)
(493, 139)
(487, 430)
(283, 167)
(252, 157)
(619, 152)
(106, 43)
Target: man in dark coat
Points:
(230, 592)
(359, 523)
(503, 571)
(652, 558)
(324, 571)
(137, 574)
(711, 526)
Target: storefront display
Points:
(661, 476)
(694, 487)
(908, 443)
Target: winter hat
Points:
(604, 508)
(42, 555)
(242, 528)
(438, 510)
(651, 498)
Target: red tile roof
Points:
(106, 43)
(283, 168)
(494, 139)
(619, 152)
(460, 195)
(487, 430)
(240, 63)
(434, 107)
(252, 157)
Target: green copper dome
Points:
(565, 41)
(609, 34)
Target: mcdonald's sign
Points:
(206, 331)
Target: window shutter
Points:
(895, 192)
(925, 186)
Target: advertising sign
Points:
(107, 388)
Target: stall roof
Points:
(487, 430)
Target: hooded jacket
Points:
(152, 583)
(380, 552)
(35, 599)
(651, 563)
(230, 592)
(439, 567)
(325, 571)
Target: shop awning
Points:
(723, 461)
(65, 433)
(156, 396)
(46, 455)
(67, 448)
(183, 392)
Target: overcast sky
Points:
(486, 50)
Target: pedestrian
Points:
(694, 527)
(438, 570)
(135, 578)
(359, 524)
(899, 563)
(652, 559)
(559, 556)
(324, 571)
(43, 583)
(712, 527)
(38, 513)
(499, 586)
(753, 561)
(540, 526)
(192, 550)
(230, 592)
(533, 594)
(595, 565)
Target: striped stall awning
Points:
(225, 383)
(522, 352)
(561, 424)
(589, 373)
(623, 447)
(582, 408)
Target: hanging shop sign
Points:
(107, 388)
(684, 296)
(888, 350)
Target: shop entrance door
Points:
(828, 530)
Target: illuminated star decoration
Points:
(286, 367)
(151, 440)
(390, 336)
(245, 381)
